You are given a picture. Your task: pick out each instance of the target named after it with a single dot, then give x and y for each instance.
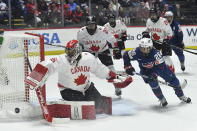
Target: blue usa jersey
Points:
(177, 40)
(154, 60)
(177, 37)
(151, 66)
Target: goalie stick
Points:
(183, 85)
(42, 100)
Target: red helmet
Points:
(73, 50)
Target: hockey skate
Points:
(182, 66)
(185, 99)
(118, 92)
(163, 102)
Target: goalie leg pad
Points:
(74, 110)
(106, 106)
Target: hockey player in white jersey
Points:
(74, 70)
(119, 30)
(96, 40)
(3, 73)
(161, 33)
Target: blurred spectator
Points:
(122, 15)
(86, 11)
(17, 9)
(72, 5)
(136, 3)
(77, 14)
(54, 14)
(143, 13)
(158, 5)
(29, 15)
(167, 7)
(43, 12)
(178, 12)
(125, 3)
(104, 3)
(147, 3)
(83, 4)
(68, 15)
(3, 12)
(113, 4)
(132, 14)
(52, 4)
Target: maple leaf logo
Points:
(94, 48)
(156, 37)
(81, 79)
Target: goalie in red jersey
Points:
(74, 70)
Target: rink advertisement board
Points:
(62, 36)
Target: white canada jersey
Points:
(160, 30)
(96, 43)
(118, 30)
(76, 77)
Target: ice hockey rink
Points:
(138, 110)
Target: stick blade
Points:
(184, 84)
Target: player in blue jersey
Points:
(177, 38)
(152, 64)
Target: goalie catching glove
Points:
(119, 80)
(38, 76)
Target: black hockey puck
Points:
(17, 110)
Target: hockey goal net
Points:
(16, 97)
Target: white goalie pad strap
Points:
(34, 81)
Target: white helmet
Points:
(169, 16)
(145, 46)
(168, 13)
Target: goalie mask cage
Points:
(16, 97)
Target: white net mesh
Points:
(13, 70)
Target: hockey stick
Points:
(182, 49)
(39, 94)
(55, 45)
(183, 85)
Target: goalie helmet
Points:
(145, 46)
(91, 24)
(169, 16)
(73, 51)
(112, 20)
(154, 15)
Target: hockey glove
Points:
(118, 80)
(38, 76)
(166, 50)
(124, 37)
(117, 53)
(129, 70)
(145, 34)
